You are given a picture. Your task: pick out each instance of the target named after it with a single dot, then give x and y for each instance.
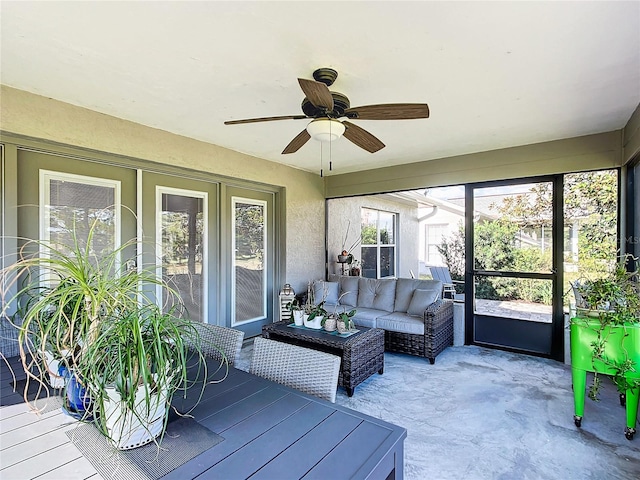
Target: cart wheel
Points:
(629, 432)
(577, 420)
(623, 400)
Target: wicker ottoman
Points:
(362, 353)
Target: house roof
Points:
(495, 74)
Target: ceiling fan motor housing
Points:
(340, 104)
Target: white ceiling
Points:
(495, 74)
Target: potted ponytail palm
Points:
(101, 323)
(132, 368)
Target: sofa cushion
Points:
(366, 317)
(401, 322)
(420, 300)
(377, 294)
(325, 290)
(405, 288)
(348, 294)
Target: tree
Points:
(249, 230)
(590, 201)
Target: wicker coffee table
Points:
(362, 353)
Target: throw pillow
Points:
(420, 300)
(327, 291)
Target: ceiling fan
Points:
(326, 108)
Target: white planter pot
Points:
(128, 429)
(315, 323)
(55, 380)
(298, 317)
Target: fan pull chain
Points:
(330, 149)
(321, 163)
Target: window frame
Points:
(44, 199)
(204, 196)
(378, 246)
(235, 200)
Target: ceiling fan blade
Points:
(295, 144)
(362, 138)
(317, 93)
(265, 119)
(389, 111)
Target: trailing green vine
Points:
(616, 299)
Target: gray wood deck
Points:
(269, 431)
(34, 445)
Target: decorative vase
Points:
(330, 324)
(315, 323)
(298, 317)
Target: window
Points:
(73, 205)
(182, 247)
(434, 235)
(249, 282)
(378, 243)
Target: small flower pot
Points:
(330, 324)
(341, 327)
(298, 317)
(315, 323)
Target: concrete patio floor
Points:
(487, 414)
(534, 312)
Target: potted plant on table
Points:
(605, 337)
(297, 312)
(339, 320)
(126, 355)
(315, 316)
(345, 324)
(313, 311)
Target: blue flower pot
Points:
(78, 400)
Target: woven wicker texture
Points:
(309, 371)
(438, 333)
(362, 354)
(217, 341)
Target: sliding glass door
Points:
(180, 237)
(251, 265)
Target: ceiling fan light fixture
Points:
(325, 129)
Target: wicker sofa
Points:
(415, 318)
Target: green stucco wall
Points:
(33, 120)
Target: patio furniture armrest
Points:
(438, 327)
